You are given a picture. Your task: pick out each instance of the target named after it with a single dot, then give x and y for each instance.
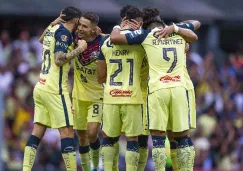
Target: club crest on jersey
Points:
(90, 54)
(64, 38)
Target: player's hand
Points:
(57, 20)
(164, 32)
(131, 23)
(82, 44)
(187, 47)
(98, 30)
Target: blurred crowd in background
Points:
(218, 138)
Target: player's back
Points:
(54, 79)
(167, 60)
(123, 73)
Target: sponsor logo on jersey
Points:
(62, 44)
(64, 38)
(167, 78)
(120, 93)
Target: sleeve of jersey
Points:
(186, 25)
(63, 40)
(137, 37)
(101, 55)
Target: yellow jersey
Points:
(86, 86)
(166, 58)
(54, 79)
(123, 72)
(144, 78)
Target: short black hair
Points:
(93, 17)
(133, 13)
(70, 13)
(151, 15)
(123, 11)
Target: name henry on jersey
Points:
(168, 42)
(120, 52)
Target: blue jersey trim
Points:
(65, 110)
(60, 79)
(137, 37)
(63, 39)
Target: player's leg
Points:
(80, 124)
(158, 112)
(84, 149)
(181, 119)
(143, 142)
(173, 154)
(117, 152)
(94, 120)
(32, 145)
(41, 120)
(61, 115)
(143, 152)
(67, 148)
(111, 126)
(94, 141)
(133, 126)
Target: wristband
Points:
(117, 26)
(176, 28)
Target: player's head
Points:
(71, 15)
(152, 18)
(132, 12)
(123, 11)
(87, 25)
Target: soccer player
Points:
(150, 13)
(119, 67)
(167, 95)
(88, 93)
(51, 97)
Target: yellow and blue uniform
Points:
(51, 96)
(87, 92)
(144, 86)
(168, 98)
(122, 95)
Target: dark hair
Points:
(133, 13)
(71, 13)
(123, 11)
(94, 18)
(151, 15)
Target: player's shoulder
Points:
(104, 40)
(63, 33)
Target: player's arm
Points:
(53, 23)
(186, 34)
(63, 40)
(190, 24)
(102, 68)
(42, 36)
(134, 37)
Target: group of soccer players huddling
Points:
(133, 81)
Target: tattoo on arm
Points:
(62, 58)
